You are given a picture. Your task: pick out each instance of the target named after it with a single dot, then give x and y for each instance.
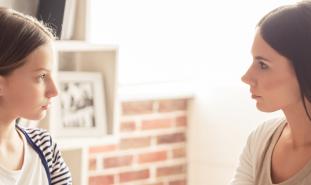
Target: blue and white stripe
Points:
(56, 169)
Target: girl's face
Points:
(28, 90)
(271, 77)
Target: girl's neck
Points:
(8, 133)
(11, 147)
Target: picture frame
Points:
(81, 105)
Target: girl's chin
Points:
(37, 117)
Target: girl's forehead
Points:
(42, 57)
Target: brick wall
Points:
(151, 150)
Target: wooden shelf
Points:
(71, 143)
(79, 56)
(82, 46)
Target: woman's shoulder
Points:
(260, 136)
(268, 127)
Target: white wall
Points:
(25, 6)
(207, 42)
(174, 40)
(222, 118)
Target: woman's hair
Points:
(19, 35)
(287, 29)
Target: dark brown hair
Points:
(19, 35)
(287, 29)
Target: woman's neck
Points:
(298, 128)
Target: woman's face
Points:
(28, 89)
(271, 77)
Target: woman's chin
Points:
(265, 108)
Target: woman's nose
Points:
(248, 78)
(244, 79)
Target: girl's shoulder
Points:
(37, 136)
(41, 141)
(34, 132)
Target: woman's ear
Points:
(2, 85)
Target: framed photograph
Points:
(81, 105)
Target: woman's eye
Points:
(263, 65)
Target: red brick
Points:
(152, 157)
(139, 142)
(181, 121)
(137, 107)
(179, 152)
(172, 105)
(118, 161)
(157, 124)
(134, 175)
(92, 164)
(178, 182)
(128, 126)
(171, 170)
(102, 149)
(171, 138)
(101, 180)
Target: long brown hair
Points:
(19, 35)
(287, 29)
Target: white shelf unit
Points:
(85, 57)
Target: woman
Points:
(27, 155)
(279, 151)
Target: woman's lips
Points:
(255, 96)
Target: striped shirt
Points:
(56, 169)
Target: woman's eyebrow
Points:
(262, 58)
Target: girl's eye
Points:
(42, 76)
(263, 65)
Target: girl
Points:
(27, 155)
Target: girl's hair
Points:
(19, 35)
(287, 29)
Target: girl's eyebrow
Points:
(42, 69)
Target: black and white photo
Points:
(81, 104)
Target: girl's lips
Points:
(45, 107)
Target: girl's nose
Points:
(51, 90)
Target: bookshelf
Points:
(80, 56)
